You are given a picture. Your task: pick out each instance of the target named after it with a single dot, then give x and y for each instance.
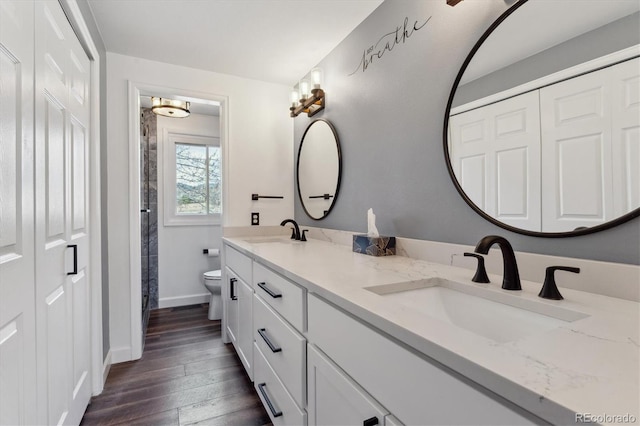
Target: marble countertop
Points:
(590, 365)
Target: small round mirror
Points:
(319, 169)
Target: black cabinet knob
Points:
(481, 273)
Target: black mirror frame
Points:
(335, 195)
(445, 136)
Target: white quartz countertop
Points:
(588, 366)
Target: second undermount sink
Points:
(495, 314)
(263, 240)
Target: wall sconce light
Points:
(170, 108)
(305, 100)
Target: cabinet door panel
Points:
(245, 326)
(231, 311)
(334, 398)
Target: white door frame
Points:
(137, 89)
(98, 364)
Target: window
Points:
(193, 181)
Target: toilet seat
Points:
(213, 275)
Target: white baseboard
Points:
(192, 299)
(106, 367)
(119, 355)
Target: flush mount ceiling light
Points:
(303, 101)
(170, 107)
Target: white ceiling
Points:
(270, 40)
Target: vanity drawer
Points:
(281, 407)
(285, 297)
(238, 262)
(282, 346)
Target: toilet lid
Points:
(212, 275)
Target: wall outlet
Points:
(255, 218)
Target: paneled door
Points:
(625, 136)
(576, 152)
(17, 261)
(62, 232)
(495, 154)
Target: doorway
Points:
(169, 260)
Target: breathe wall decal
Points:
(387, 42)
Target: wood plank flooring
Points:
(186, 376)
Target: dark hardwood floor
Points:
(186, 376)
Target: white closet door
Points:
(495, 153)
(17, 278)
(625, 104)
(62, 298)
(576, 152)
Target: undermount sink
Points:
(261, 240)
(494, 314)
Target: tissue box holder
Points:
(374, 246)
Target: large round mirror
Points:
(542, 129)
(319, 169)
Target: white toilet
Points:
(212, 283)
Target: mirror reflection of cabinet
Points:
(547, 188)
(577, 139)
(319, 169)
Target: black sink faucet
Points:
(296, 230)
(511, 279)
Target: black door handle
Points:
(269, 291)
(263, 333)
(274, 411)
(232, 288)
(75, 259)
(371, 422)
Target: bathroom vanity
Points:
(330, 336)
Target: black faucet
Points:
(511, 279)
(295, 235)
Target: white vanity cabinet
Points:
(412, 388)
(238, 294)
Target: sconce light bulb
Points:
(316, 78)
(294, 98)
(304, 89)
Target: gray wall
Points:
(97, 39)
(602, 41)
(390, 123)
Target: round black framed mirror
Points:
(520, 141)
(319, 169)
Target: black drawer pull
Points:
(275, 413)
(263, 334)
(269, 292)
(75, 259)
(232, 288)
(371, 422)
